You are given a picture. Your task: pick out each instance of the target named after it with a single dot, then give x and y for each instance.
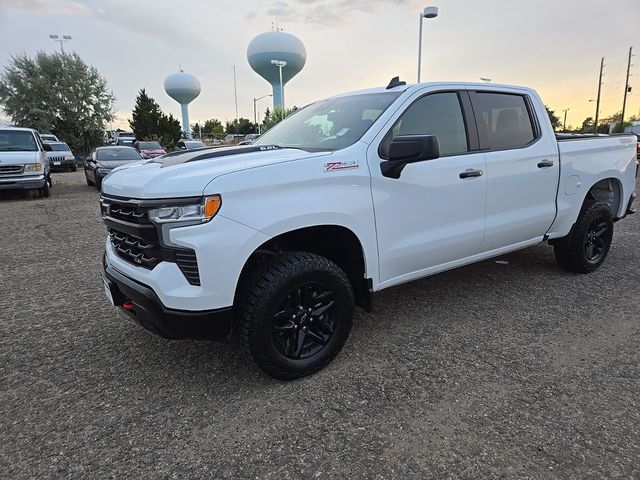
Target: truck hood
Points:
(18, 158)
(186, 174)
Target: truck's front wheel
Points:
(589, 241)
(295, 313)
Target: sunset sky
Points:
(553, 46)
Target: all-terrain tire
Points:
(268, 294)
(589, 241)
(89, 182)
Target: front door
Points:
(434, 213)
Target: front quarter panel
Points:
(332, 189)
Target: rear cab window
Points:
(504, 120)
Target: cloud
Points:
(333, 13)
(55, 7)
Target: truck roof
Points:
(446, 84)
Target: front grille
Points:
(11, 169)
(135, 250)
(57, 159)
(129, 213)
(136, 239)
(188, 265)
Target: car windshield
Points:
(60, 147)
(330, 124)
(149, 146)
(117, 154)
(17, 141)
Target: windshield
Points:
(117, 154)
(149, 146)
(329, 124)
(60, 147)
(17, 141)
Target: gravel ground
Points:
(516, 370)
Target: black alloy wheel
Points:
(595, 242)
(304, 323)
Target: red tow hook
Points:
(128, 306)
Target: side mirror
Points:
(409, 149)
(46, 147)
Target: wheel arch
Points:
(609, 191)
(335, 242)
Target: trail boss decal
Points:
(332, 166)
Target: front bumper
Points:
(142, 304)
(61, 164)
(22, 182)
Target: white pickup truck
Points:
(23, 161)
(279, 240)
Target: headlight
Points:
(104, 170)
(187, 214)
(33, 167)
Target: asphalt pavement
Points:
(496, 370)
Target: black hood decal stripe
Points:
(169, 160)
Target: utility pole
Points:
(626, 89)
(564, 125)
(595, 123)
(235, 93)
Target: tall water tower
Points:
(273, 54)
(183, 88)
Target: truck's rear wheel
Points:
(589, 241)
(294, 313)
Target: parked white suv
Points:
(23, 162)
(348, 196)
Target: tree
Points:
(213, 126)
(148, 122)
(272, 118)
(553, 118)
(170, 131)
(242, 126)
(57, 93)
(146, 117)
(587, 125)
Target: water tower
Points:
(183, 88)
(272, 54)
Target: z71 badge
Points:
(332, 166)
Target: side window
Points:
(436, 114)
(503, 119)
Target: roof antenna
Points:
(395, 82)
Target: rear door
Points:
(522, 167)
(434, 213)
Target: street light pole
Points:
(56, 38)
(429, 12)
(255, 112)
(280, 64)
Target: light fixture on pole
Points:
(485, 80)
(429, 12)
(56, 38)
(255, 112)
(280, 64)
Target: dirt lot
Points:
(494, 370)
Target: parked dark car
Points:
(104, 159)
(188, 144)
(149, 149)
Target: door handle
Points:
(545, 164)
(469, 173)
